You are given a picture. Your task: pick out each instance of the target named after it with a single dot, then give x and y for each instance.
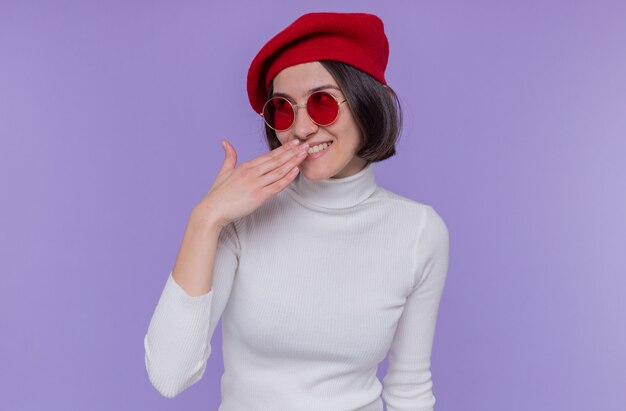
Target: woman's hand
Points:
(239, 190)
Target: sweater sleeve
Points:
(178, 340)
(408, 384)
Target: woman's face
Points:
(338, 159)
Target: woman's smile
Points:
(318, 151)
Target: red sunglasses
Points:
(322, 107)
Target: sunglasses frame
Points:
(295, 108)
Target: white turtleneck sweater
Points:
(313, 288)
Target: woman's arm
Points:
(408, 383)
(177, 343)
(193, 269)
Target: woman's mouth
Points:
(318, 150)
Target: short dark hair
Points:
(375, 108)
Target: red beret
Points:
(357, 39)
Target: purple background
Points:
(110, 119)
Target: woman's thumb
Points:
(230, 161)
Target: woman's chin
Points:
(314, 173)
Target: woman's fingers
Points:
(282, 183)
(280, 159)
(267, 156)
(278, 168)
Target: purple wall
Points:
(110, 119)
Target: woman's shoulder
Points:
(393, 199)
(424, 213)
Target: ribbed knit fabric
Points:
(313, 288)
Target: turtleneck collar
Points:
(336, 192)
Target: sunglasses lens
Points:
(322, 108)
(278, 113)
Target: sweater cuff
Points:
(179, 318)
(175, 294)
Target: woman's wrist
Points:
(205, 222)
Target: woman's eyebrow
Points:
(313, 90)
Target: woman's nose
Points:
(304, 126)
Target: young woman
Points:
(316, 271)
